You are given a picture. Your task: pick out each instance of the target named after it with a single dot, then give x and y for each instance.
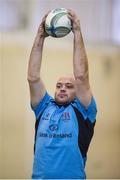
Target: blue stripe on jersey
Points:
(57, 153)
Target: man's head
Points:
(65, 90)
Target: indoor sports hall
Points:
(100, 24)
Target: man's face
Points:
(65, 90)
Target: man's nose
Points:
(63, 88)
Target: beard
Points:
(62, 99)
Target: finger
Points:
(47, 13)
(70, 10)
(70, 17)
(44, 17)
(72, 14)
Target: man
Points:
(66, 123)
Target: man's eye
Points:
(58, 86)
(69, 87)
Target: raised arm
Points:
(80, 63)
(37, 88)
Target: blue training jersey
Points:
(62, 140)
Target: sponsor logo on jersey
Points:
(65, 116)
(53, 127)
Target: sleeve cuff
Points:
(91, 110)
(41, 105)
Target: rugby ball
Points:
(57, 23)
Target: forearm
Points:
(35, 58)
(36, 53)
(80, 62)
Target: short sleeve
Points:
(91, 110)
(42, 105)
